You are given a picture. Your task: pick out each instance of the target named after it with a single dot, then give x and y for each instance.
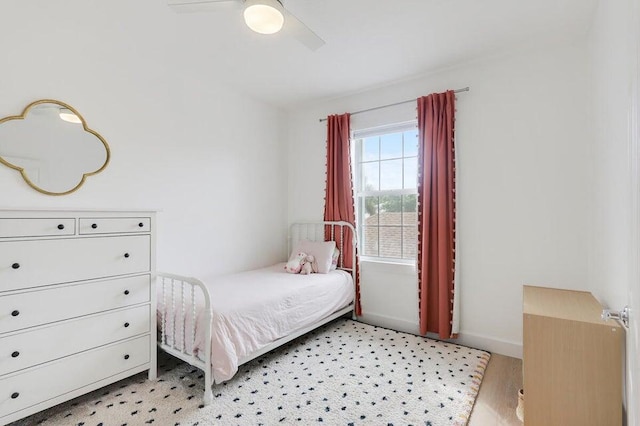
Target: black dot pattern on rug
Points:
(344, 373)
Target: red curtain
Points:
(339, 192)
(436, 212)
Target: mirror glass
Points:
(52, 146)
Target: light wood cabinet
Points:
(572, 360)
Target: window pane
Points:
(371, 176)
(370, 149)
(370, 211)
(411, 173)
(411, 143)
(391, 146)
(370, 244)
(391, 174)
(390, 241)
(410, 206)
(390, 210)
(409, 242)
(391, 203)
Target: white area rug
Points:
(345, 373)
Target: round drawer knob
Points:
(15, 395)
(126, 356)
(15, 313)
(126, 324)
(141, 225)
(94, 225)
(126, 255)
(15, 265)
(61, 227)
(126, 292)
(15, 354)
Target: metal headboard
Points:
(316, 231)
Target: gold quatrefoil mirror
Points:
(52, 147)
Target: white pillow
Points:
(321, 250)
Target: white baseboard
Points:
(398, 324)
(491, 344)
(479, 341)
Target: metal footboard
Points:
(178, 299)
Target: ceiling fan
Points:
(262, 16)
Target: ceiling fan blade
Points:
(298, 30)
(187, 6)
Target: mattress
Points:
(250, 310)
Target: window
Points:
(386, 171)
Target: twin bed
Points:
(219, 324)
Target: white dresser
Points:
(76, 307)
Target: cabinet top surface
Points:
(564, 304)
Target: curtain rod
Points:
(464, 89)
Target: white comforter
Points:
(252, 309)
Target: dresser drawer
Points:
(10, 228)
(28, 264)
(51, 380)
(58, 303)
(114, 225)
(38, 346)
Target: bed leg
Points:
(208, 396)
(208, 384)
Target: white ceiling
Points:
(371, 42)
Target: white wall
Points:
(523, 139)
(610, 49)
(179, 139)
(613, 268)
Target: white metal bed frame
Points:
(312, 231)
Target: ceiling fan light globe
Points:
(264, 16)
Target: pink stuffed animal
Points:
(294, 265)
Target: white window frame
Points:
(357, 136)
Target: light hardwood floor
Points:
(498, 397)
